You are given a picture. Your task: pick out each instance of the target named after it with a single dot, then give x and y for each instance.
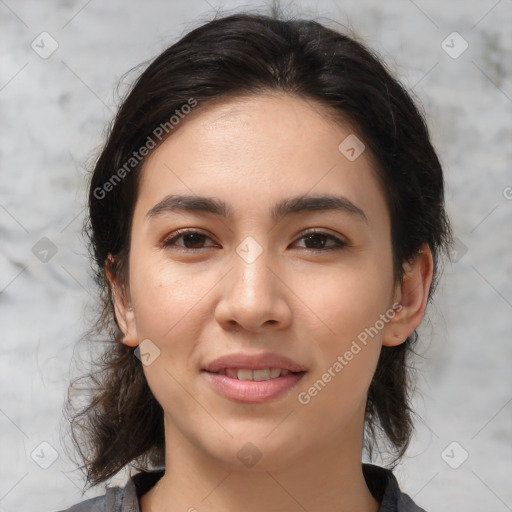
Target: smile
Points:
(258, 375)
(253, 386)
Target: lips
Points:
(253, 378)
(253, 362)
(247, 374)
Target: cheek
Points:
(168, 304)
(165, 296)
(345, 351)
(352, 298)
(172, 311)
(347, 342)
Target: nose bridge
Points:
(252, 279)
(253, 296)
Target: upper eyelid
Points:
(185, 231)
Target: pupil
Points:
(191, 236)
(316, 237)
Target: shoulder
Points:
(110, 502)
(120, 499)
(384, 486)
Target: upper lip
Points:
(253, 362)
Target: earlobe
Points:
(125, 314)
(412, 295)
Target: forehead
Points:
(268, 115)
(259, 149)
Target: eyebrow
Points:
(284, 208)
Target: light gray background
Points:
(53, 115)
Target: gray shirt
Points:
(381, 482)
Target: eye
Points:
(194, 240)
(190, 237)
(319, 239)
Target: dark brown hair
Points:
(243, 54)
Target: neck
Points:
(326, 480)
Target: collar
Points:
(380, 481)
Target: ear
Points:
(411, 297)
(125, 314)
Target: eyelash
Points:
(169, 242)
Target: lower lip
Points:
(252, 391)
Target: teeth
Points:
(245, 375)
(257, 375)
(261, 374)
(275, 372)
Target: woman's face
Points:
(254, 283)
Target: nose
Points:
(254, 296)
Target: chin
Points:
(246, 452)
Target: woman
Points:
(266, 220)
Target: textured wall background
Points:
(54, 108)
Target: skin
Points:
(199, 304)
